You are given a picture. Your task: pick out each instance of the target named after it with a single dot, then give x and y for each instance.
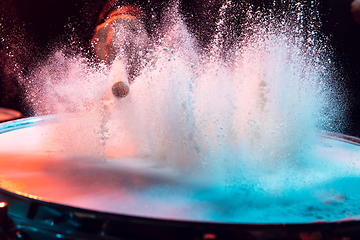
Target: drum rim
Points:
(33, 121)
(24, 123)
(201, 228)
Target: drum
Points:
(8, 114)
(49, 193)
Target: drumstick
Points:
(119, 79)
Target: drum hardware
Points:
(41, 220)
(3, 212)
(57, 218)
(52, 221)
(8, 230)
(30, 221)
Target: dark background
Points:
(31, 29)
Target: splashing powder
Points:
(245, 122)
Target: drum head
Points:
(34, 164)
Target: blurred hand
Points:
(120, 42)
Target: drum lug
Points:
(31, 210)
(59, 217)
